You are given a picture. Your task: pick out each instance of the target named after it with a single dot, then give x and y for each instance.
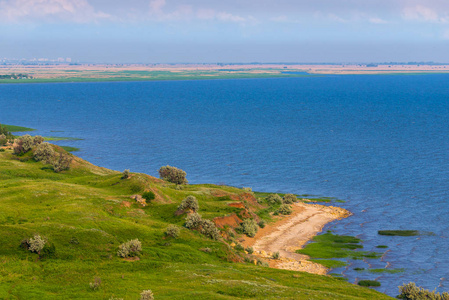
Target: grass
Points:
(328, 246)
(70, 149)
(60, 138)
(14, 128)
(87, 212)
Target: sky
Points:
(225, 31)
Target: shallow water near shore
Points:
(379, 142)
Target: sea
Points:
(380, 143)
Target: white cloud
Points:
(423, 13)
(377, 21)
(160, 12)
(49, 10)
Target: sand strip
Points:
(290, 233)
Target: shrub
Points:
(274, 199)
(249, 227)
(189, 203)
(125, 174)
(36, 244)
(262, 223)
(275, 255)
(247, 189)
(60, 162)
(250, 250)
(44, 152)
(289, 199)
(130, 248)
(95, 285)
(209, 229)
(37, 140)
(173, 231)
(239, 247)
(193, 220)
(262, 263)
(285, 209)
(173, 175)
(146, 295)
(148, 196)
(410, 291)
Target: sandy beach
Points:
(290, 233)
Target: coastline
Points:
(290, 233)
(164, 72)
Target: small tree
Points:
(189, 203)
(44, 152)
(125, 174)
(193, 221)
(60, 162)
(37, 140)
(209, 229)
(173, 175)
(3, 139)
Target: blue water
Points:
(379, 142)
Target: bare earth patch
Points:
(290, 233)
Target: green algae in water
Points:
(399, 232)
(329, 246)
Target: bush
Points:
(239, 247)
(125, 174)
(173, 175)
(249, 227)
(36, 244)
(289, 199)
(410, 291)
(60, 162)
(275, 255)
(44, 152)
(262, 223)
(189, 203)
(23, 144)
(148, 196)
(274, 199)
(130, 248)
(193, 220)
(173, 231)
(146, 295)
(285, 209)
(250, 250)
(209, 229)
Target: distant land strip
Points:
(97, 72)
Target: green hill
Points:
(86, 212)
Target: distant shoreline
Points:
(114, 73)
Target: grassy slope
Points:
(86, 203)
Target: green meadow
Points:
(86, 212)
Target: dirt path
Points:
(290, 233)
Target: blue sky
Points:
(158, 31)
